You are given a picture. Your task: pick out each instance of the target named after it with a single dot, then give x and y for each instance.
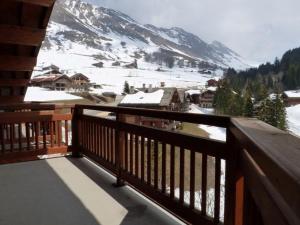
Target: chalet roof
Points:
(80, 75)
(292, 94)
(50, 67)
(51, 78)
(158, 97)
(142, 98)
(23, 26)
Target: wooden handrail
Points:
(274, 157)
(212, 120)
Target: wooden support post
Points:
(119, 152)
(75, 132)
(233, 186)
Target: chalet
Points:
(161, 99)
(207, 97)
(291, 98)
(80, 82)
(58, 82)
(193, 96)
(212, 83)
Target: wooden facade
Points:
(206, 99)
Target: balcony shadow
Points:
(32, 193)
(139, 210)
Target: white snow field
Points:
(112, 79)
(36, 94)
(293, 118)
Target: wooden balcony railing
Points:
(251, 178)
(29, 131)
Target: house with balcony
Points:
(58, 163)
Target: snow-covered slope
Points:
(111, 36)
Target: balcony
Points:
(59, 164)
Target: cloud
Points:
(259, 30)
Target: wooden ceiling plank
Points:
(44, 3)
(21, 35)
(14, 82)
(17, 63)
(11, 99)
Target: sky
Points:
(258, 30)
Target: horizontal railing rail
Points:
(212, 120)
(269, 163)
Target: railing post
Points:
(120, 143)
(234, 188)
(75, 132)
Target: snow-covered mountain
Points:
(115, 37)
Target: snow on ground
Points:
(79, 58)
(216, 133)
(36, 94)
(293, 118)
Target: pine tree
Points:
(126, 88)
(248, 104)
(279, 113)
(273, 112)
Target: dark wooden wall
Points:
(23, 26)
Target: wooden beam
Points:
(45, 3)
(14, 82)
(11, 99)
(17, 63)
(21, 35)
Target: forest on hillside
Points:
(282, 74)
(247, 93)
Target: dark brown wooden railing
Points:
(174, 169)
(29, 131)
(252, 178)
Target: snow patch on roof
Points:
(293, 94)
(36, 94)
(193, 92)
(143, 98)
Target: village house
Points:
(159, 99)
(207, 97)
(212, 83)
(291, 98)
(57, 82)
(193, 96)
(80, 82)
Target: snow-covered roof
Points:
(193, 92)
(144, 98)
(211, 89)
(293, 94)
(36, 94)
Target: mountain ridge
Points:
(101, 28)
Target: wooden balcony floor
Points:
(69, 191)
